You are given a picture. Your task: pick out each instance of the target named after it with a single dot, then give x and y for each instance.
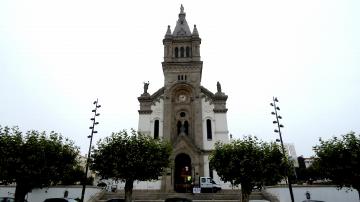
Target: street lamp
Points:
(93, 131)
(278, 130)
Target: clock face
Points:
(182, 98)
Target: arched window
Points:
(208, 129)
(178, 127)
(186, 125)
(176, 52)
(182, 52)
(187, 51)
(156, 129)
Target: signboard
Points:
(196, 190)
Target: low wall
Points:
(39, 195)
(320, 193)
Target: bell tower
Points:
(188, 115)
(182, 70)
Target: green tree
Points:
(131, 157)
(248, 162)
(75, 176)
(34, 160)
(314, 172)
(301, 171)
(339, 160)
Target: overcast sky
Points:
(57, 57)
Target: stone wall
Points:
(39, 195)
(320, 193)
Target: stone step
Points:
(157, 196)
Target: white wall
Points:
(321, 193)
(221, 128)
(218, 125)
(143, 185)
(39, 195)
(208, 113)
(144, 124)
(157, 114)
(146, 121)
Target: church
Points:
(184, 112)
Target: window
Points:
(186, 125)
(179, 127)
(182, 52)
(156, 129)
(187, 51)
(176, 52)
(208, 129)
(182, 77)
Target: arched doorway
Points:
(183, 175)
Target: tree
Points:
(34, 160)
(339, 160)
(314, 173)
(301, 171)
(132, 157)
(248, 162)
(76, 176)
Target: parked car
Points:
(60, 200)
(207, 184)
(178, 200)
(8, 199)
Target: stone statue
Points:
(181, 9)
(146, 86)
(218, 87)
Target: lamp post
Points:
(279, 126)
(91, 137)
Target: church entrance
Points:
(183, 175)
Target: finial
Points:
(168, 31)
(195, 31)
(181, 9)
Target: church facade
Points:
(184, 112)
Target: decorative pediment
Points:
(184, 144)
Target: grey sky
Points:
(57, 57)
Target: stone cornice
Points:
(157, 94)
(183, 63)
(145, 111)
(145, 98)
(207, 92)
(151, 98)
(220, 110)
(220, 97)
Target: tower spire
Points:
(182, 27)
(195, 31)
(168, 32)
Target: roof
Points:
(182, 27)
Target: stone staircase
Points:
(157, 196)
